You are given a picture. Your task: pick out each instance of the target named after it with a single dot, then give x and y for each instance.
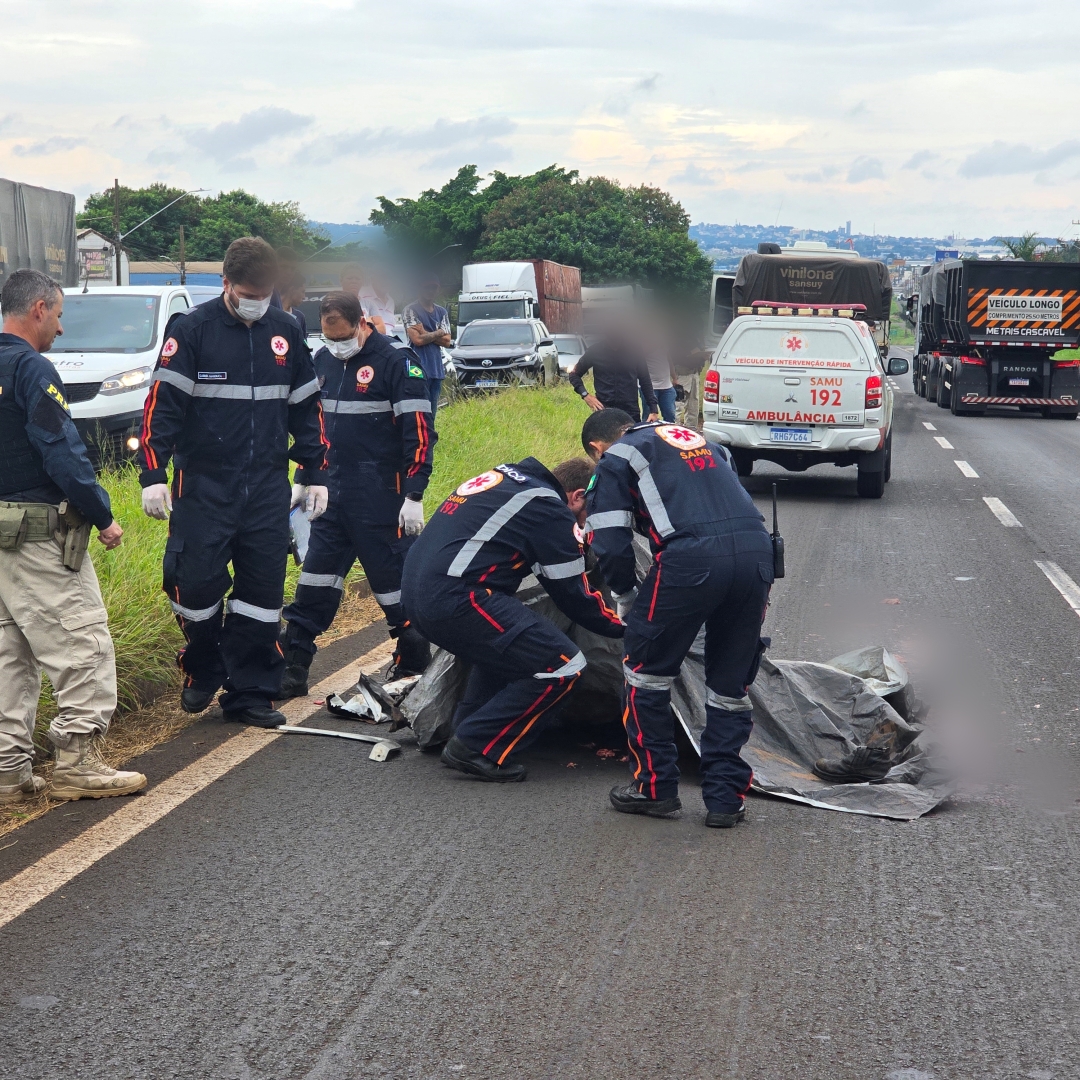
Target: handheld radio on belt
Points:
(777, 542)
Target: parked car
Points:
(502, 352)
(106, 356)
(570, 347)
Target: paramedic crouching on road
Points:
(459, 584)
(378, 421)
(233, 382)
(713, 564)
(51, 614)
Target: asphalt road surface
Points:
(315, 914)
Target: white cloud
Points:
(865, 168)
(1002, 159)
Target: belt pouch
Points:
(12, 527)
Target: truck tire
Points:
(870, 485)
(943, 392)
(1066, 415)
(887, 472)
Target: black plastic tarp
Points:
(811, 279)
(37, 232)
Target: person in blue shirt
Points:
(428, 327)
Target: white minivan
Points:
(802, 390)
(106, 357)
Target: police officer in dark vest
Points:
(51, 613)
(712, 566)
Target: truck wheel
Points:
(1065, 416)
(943, 393)
(744, 463)
(954, 402)
(870, 485)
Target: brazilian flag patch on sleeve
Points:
(416, 371)
(592, 482)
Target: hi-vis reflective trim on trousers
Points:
(322, 581)
(490, 528)
(610, 519)
(333, 405)
(728, 704)
(572, 666)
(412, 405)
(260, 614)
(196, 614)
(555, 571)
(647, 682)
(386, 599)
(650, 494)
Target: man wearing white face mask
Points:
(378, 420)
(233, 382)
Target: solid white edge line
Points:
(1062, 582)
(1002, 512)
(929, 427)
(967, 470)
(943, 442)
(52, 871)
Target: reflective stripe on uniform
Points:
(260, 614)
(555, 571)
(412, 405)
(274, 392)
(491, 527)
(240, 391)
(728, 704)
(572, 666)
(647, 682)
(196, 614)
(321, 581)
(387, 598)
(333, 405)
(305, 391)
(174, 378)
(650, 495)
(610, 519)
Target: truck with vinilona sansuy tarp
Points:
(988, 335)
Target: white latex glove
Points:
(411, 518)
(313, 499)
(298, 493)
(157, 501)
(624, 603)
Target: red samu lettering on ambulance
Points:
(789, 418)
(822, 380)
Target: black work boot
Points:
(194, 700)
(714, 819)
(458, 756)
(628, 800)
(412, 654)
(256, 716)
(864, 764)
(299, 651)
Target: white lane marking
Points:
(1062, 582)
(51, 872)
(943, 442)
(1002, 512)
(929, 427)
(967, 470)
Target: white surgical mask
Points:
(250, 310)
(343, 350)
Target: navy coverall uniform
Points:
(224, 401)
(713, 565)
(459, 584)
(378, 420)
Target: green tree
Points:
(1021, 247)
(454, 214)
(210, 224)
(613, 233)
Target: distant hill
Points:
(369, 235)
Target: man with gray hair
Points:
(51, 612)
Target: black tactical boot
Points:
(412, 653)
(628, 800)
(299, 651)
(256, 716)
(194, 700)
(716, 820)
(864, 764)
(459, 756)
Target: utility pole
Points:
(183, 272)
(116, 229)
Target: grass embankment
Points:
(474, 434)
(899, 332)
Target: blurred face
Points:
(428, 291)
(352, 282)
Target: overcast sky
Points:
(920, 117)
